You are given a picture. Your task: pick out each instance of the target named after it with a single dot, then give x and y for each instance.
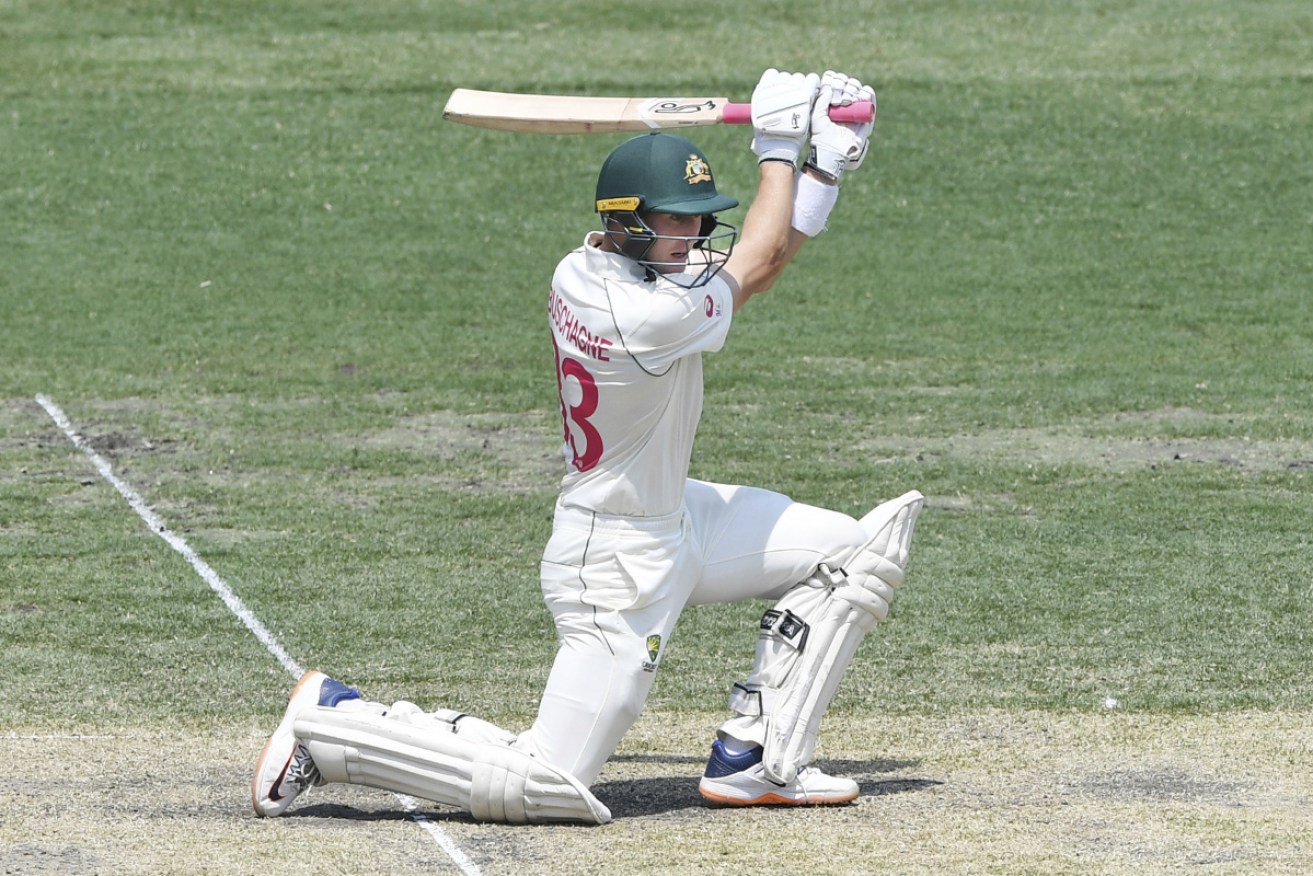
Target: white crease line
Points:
(410, 804)
(235, 605)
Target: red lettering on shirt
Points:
(574, 332)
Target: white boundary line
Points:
(235, 605)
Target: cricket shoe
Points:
(741, 780)
(285, 767)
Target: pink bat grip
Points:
(861, 111)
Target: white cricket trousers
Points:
(616, 587)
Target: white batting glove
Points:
(781, 114)
(835, 147)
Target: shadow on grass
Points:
(344, 812)
(636, 798)
(642, 797)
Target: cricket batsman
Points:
(635, 540)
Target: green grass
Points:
(1066, 299)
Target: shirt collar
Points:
(610, 265)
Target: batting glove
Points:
(835, 147)
(781, 112)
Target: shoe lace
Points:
(810, 772)
(302, 771)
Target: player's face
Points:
(670, 256)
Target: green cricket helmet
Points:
(664, 173)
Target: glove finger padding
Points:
(844, 89)
(781, 113)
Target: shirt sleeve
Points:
(663, 322)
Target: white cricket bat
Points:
(562, 114)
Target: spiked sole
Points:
(770, 798)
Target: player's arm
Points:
(769, 241)
(781, 116)
(791, 207)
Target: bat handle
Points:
(859, 112)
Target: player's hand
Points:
(837, 148)
(781, 114)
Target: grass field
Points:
(302, 317)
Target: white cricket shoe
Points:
(740, 780)
(285, 767)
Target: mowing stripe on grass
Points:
(235, 605)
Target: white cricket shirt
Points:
(629, 369)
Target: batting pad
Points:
(491, 781)
(809, 638)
